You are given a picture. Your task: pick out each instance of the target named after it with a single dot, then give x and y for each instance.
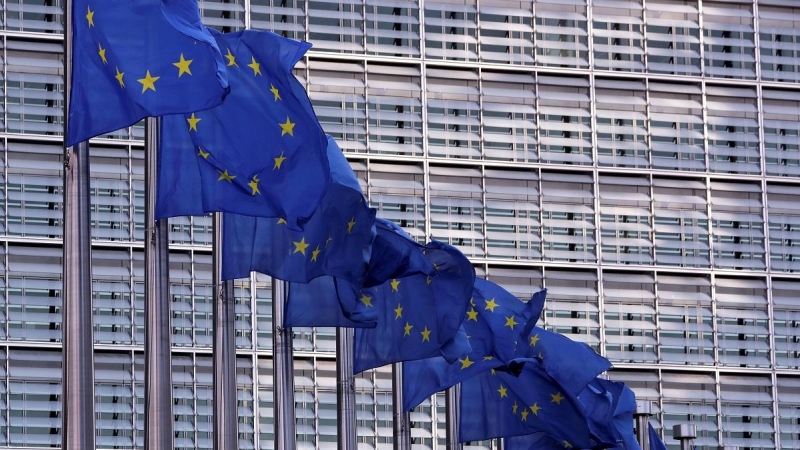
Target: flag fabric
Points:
(535, 441)
(610, 406)
(499, 403)
(573, 364)
(262, 152)
(335, 241)
(655, 440)
(418, 314)
(623, 419)
(138, 58)
(332, 302)
(497, 323)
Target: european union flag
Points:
(610, 406)
(497, 324)
(573, 364)
(138, 58)
(536, 441)
(498, 403)
(260, 153)
(331, 302)
(336, 239)
(655, 440)
(418, 314)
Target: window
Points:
(453, 113)
(673, 37)
(617, 31)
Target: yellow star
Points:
(255, 66)
(119, 76)
(535, 409)
(534, 339)
(90, 16)
(471, 302)
(510, 322)
(278, 161)
(540, 355)
(231, 59)
(102, 52)
(282, 221)
(488, 358)
(351, 224)
(407, 329)
(556, 398)
(395, 285)
(183, 66)
(524, 415)
(567, 444)
(275, 92)
(254, 185)
(502, 391)
(287, 127)
(426, 334)
(428, 280)
(193, 121)
(514, 407)
(328, 241)
(315, 253)
(398, 312)
(491, 305)
(200, 152)
(472, 314)
(148, 82)
(226, 176)
(300, 247)
(366, 299)
(465, 362)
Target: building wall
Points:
(637, 158)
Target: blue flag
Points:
(336, 240)
(536, 441)
(610, 406)
(331, 302)
(499, 403)
(418, 314)
(497, 324)
(138, 58)
(655, 440)
(260, 153)
(573, 364)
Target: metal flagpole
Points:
(226, 420)
(644, 409)
(402, 424)
(685, 434)
(283, 370)
(452, 410)
(345, 389)
(157, 346)
(77, 395)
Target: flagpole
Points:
(157, 346)
(283, 370)
(345, 392)
(644, 409)
(77, 399)
(452, 398)
(226, 420)
(402, 424)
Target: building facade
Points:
(639, 158)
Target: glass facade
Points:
(640, 159)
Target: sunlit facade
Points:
(637, 158)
